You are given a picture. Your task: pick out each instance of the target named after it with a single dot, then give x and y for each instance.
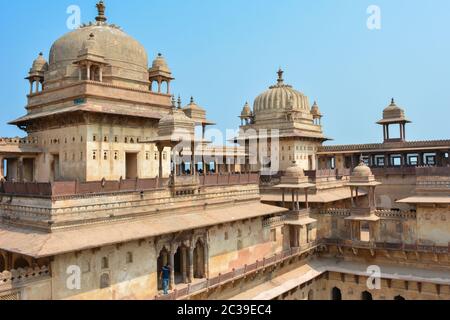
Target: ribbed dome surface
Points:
(281, 97)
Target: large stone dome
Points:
(126, 57)
(281, 97)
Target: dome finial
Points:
(280, 76)
(192, 100)
(179, 102)
(393, 101)
(101, 12)
(173, 102)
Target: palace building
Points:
(111, 183)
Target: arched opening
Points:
(164, 87)
(104, 281)
(163, 259)
(199, 260)
(336, 294)
(95, 73)
(21, 263)
(154, 86)
(311, 295)
(399, 298)
(366, 296)
(181, 264)
(2, 263)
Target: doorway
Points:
(131, 165)
(336, 294)
(366, 296)
(163, 259)
(199, 261)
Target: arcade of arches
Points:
(186, 259)
(10, 261)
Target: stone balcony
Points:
(56, 205)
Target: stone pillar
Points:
(193, 160)
(191, 264)
(88, 71)
(168, 87)
(352, 199)
(184, 266)
(159, 86)
(2, 168)
(293, 200)
(31, 86)
(100, 74)
(306, 198)
(283, 198)
(20, 169)
(160, 155)
(205, 260)
(172, 269)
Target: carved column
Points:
(184, 264)
(172, 269)
(100, 74)
(2, 168)
(191, 263)
(88, 71)
(206, 260)
(20, 169)
(160, 169)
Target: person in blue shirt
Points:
(165, 276)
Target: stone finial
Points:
(101, 12)
(280, 76)
(179, 102)
(192, 100)
(173, 102)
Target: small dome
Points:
(315, 111)
(193, 106)
(281, 97)
(393, 111)
(362, 170)
(40, 64)
(295, 171)
(246, 111)
(160, 64)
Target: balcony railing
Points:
(70, 188)
(398, 246)
(16, 277)
(235, 274)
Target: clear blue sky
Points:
(227, 52)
